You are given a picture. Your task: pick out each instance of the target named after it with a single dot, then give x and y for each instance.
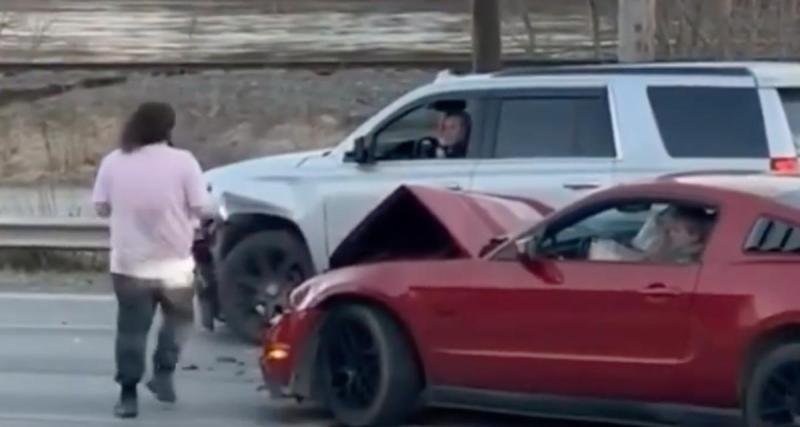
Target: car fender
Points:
(284, 203)
(274, 186)
(322, 293)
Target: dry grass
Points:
(728, 29)
(32, 261)
(686, 29)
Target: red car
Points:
(644, 303)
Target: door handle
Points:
(581, 187)
(660, 291)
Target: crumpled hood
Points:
(431, 222)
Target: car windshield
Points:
(791, 105)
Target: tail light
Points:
(787, 165)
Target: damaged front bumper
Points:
(288, 358)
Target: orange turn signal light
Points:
(277, 351)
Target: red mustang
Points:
(639, 304)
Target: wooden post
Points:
(637, 30)
(486, 42)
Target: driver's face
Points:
(452, 131)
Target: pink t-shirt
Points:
(153, 193)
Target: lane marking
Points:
(31, 296)
(56, 327)
(100, 420)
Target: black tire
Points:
(775, 381)
(258, 273)
(387, 398)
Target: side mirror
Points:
(542, 267)
(527, 248)
(363, 152)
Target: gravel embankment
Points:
(56, 126)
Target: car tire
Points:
(256, 277)
(381, 347)
(770, 374)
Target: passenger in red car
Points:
(685, 231)
(672, 235)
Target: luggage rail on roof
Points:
(732, 71)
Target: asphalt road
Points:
(56, 368)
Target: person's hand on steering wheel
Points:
(425, 147)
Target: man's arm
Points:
(101, 196)
(196, 189)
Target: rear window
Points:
(705, 122)
(555, 126)
(773, 236)
(791, 105)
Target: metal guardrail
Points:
(54, 233)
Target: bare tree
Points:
(515, 12)
(723, 15)
(39, 32)
(6, 20)
(529, 30)
(594, 14)
(191, 29)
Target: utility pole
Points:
(486, 42)
(637, 30)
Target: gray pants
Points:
(137, 300)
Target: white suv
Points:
(553, 133)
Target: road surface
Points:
(56, 369)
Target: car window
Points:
(770, 235)
(705, 122)
(554, 126)
(791, 105)
(440, 129)
(633, 232)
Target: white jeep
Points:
(553, 134)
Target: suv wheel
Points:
(369, 374)
(772, 396)
(256, 278)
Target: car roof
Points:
(763, 73)
(756, 184)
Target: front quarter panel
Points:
(289, 198)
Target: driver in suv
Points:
(452, 136)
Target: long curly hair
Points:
(151, 123)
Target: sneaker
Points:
(163, 388)
(128, 404)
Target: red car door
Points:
(603, 329)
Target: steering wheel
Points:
(585, 247)
(423, 145)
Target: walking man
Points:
(154, 196)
